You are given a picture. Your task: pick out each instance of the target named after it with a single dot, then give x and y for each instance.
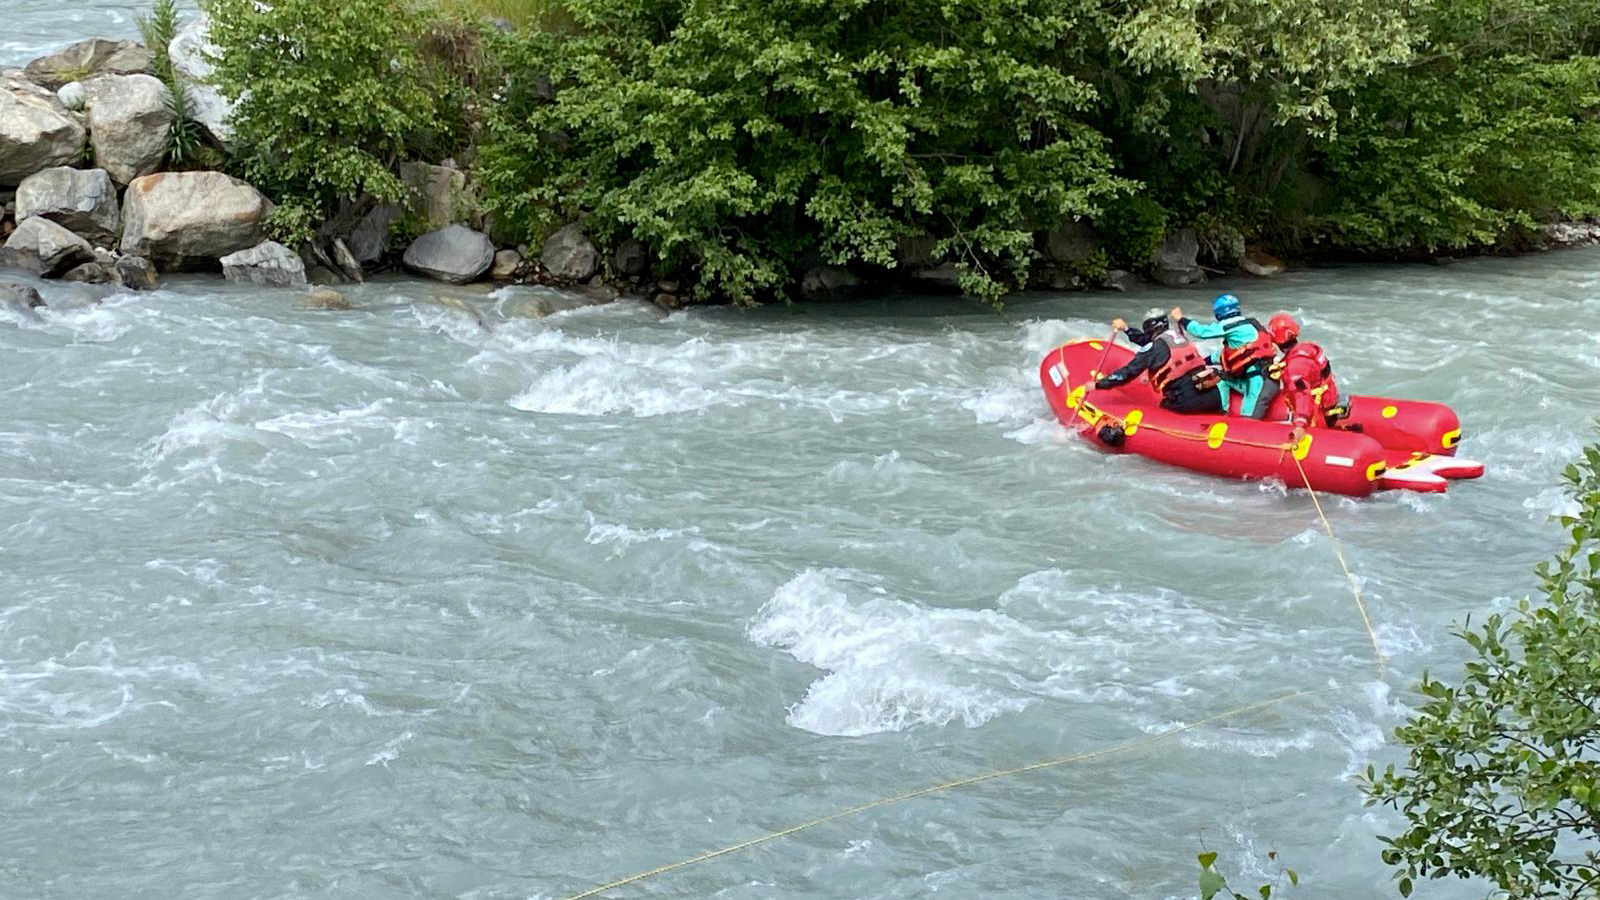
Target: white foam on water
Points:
(206, 425)
(390, 750)
(892, 665)
(602, 387)
(621, 537)
(315, 426)
(84, 688)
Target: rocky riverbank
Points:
(87, 194)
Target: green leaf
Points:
(1405, 887)
(1206, 859)
(1294, 877)
(1211, 881)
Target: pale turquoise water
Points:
(30, 28)
(383, 604)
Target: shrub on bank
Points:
(331, 97)
(1502, 782)
(753, 139)
(1493, 129)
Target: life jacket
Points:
(1182, 359)
(1307, 350)
(1305, 370)
(1250, 358)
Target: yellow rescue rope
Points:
(1350, 580)
(1124, 747)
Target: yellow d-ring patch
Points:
(1097, 345)
(1075, 396)
(1302, 448)
(1130, 425)
(1451, 438)
(1218, 433)
(1375, 470)
(1390, 412)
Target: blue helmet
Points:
(1225, 306)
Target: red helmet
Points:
(1283, 328)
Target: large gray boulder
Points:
(96, 56)
(1176, 262)
(128, 124)
(36, 131)
(569, 256)
(344, 261)
(268, 263)
(188, 51)
(631, 259)
(46, 248)
(135, 273)
(829, 283)
(944, 277)
(1262, 264)
(83, 201)
(436, 195)
(371, 235)
(1071, 243)
(20, 298)
(455, 253)
(89, 273)
(506, 264)
(190, 220)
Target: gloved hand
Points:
(1102, 384)
(1297, 433)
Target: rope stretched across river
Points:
(1125, 747)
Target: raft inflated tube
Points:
(1408, 435)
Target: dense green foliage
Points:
(1503, 779)
(746, 141)
(754, 137)
(331, 97)
(1493, 127)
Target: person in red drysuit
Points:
(1307, 378)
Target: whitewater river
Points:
(390, 603)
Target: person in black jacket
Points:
(1177, 370)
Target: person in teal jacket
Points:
(1247, 351)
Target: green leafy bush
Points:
(331, 96)
(1133, 227)
(747, 139)
(1502, 782)
(1495, 127)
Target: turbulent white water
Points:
(395, 603)
(389, 603)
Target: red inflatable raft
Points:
(1401, 444)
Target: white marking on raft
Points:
(1343, 461)
(1055, 374)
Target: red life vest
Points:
(1182, 359)
(1313, 353)
(1308, 384)
(1256, 355)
